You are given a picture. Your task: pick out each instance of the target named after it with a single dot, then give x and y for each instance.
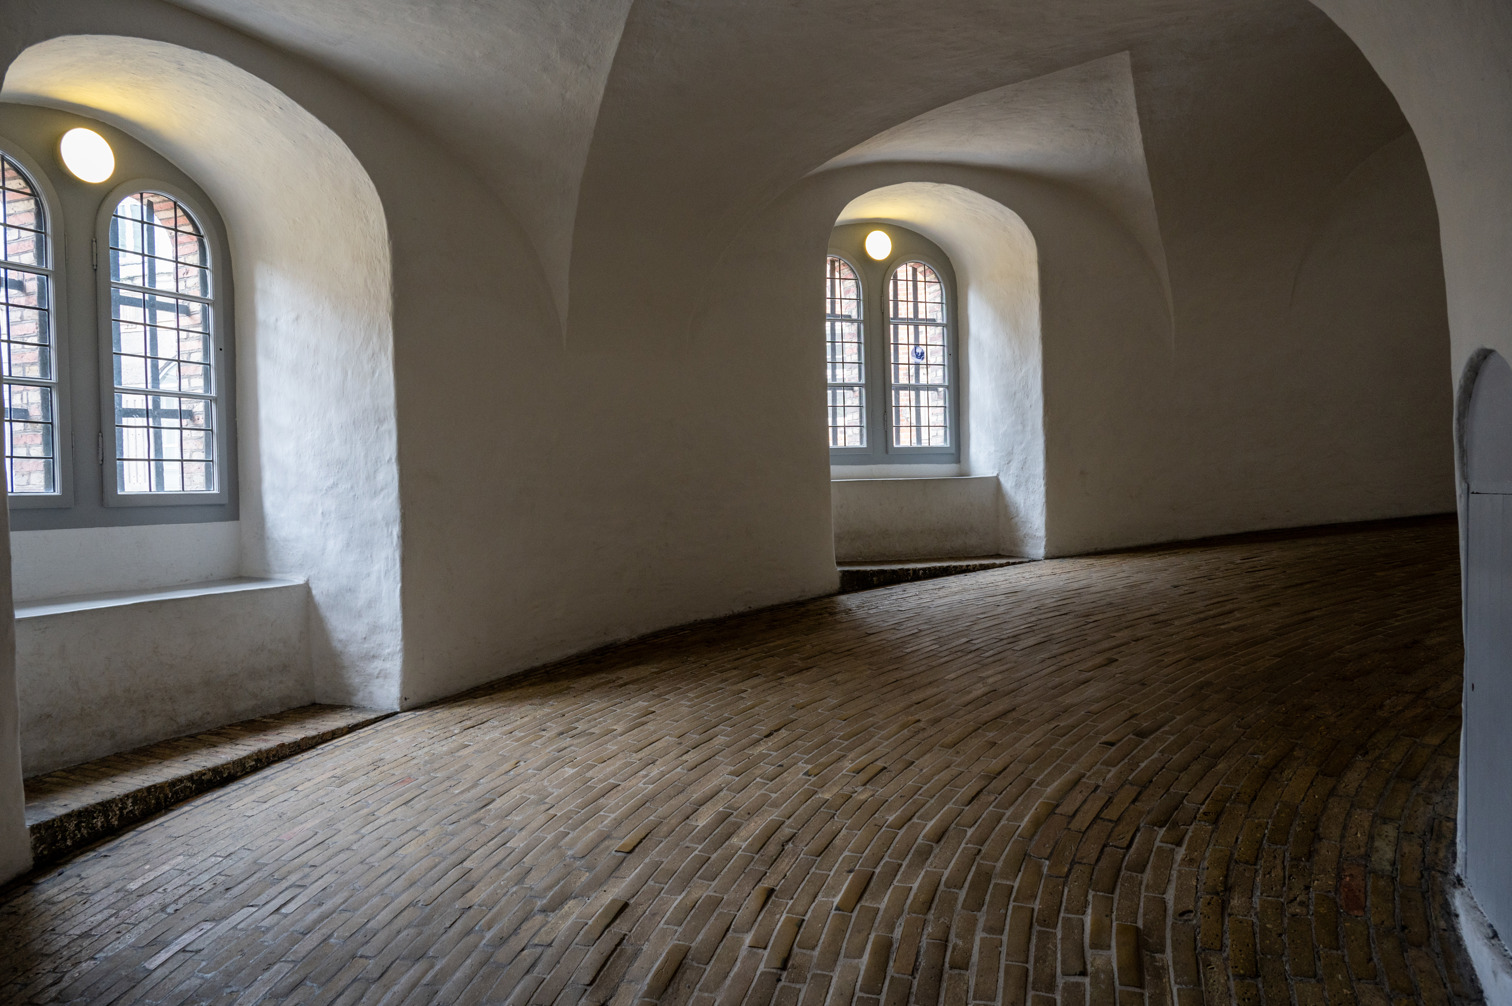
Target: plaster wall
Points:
(1281, 378)
(915, 518)
(118, 672)
(609, 493)
(47, 564)
(1308, 317)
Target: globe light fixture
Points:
(878, 245)
(86, 155)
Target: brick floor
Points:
(1189, 775)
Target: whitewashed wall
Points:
(50, 564)
(915, 518)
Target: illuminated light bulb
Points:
(878, 245)
(86, 155)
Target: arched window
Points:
(165, 385)
(919, 354)
(30, 359)
(846, 354)
(889, 339)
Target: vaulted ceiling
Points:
(618, 128)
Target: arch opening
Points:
(990, 498)
(317, 436)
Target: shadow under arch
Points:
(314, 316)
(996, 260)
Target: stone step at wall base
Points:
(74, 807)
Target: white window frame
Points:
(62, 494)
(846, 243)
(113, 496)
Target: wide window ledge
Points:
(122, 598)
(858, 473)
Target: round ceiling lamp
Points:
(878, 245)
(86, 155)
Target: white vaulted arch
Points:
(310, 248)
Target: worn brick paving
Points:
(1202, 774)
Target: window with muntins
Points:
(30, 374)
(164, 388)
(846, 355)
(920, 378)
(889, 349)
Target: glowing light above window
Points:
(878, 245)
(86, 155)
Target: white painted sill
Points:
(867, 473)
(894, 475)
(118, 599)
(916, 478)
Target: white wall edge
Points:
(121, 598)
(1488, 954)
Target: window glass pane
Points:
(156, 243)
(26, 356)
(23, 224)
(918, 354)
(916, 293)
(918, 358)
(847, 417)
(23, 356)
(164, 443)
(30, 447)
(161, 344)
(130, 338)
(920, 417)
(127, 267)
(194, 347)
(845, 355)
(24, 289)
(158, 273)
(199, 477)
(193, 280)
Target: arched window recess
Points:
(890, 338)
